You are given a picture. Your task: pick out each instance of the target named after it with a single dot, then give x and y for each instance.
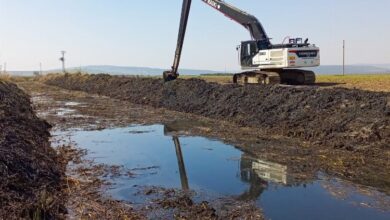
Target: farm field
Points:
(371, 82)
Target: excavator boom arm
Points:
(185, 12)
(250, 22)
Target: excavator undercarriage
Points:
(257, 77)
(270, 77)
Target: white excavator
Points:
(261, 61)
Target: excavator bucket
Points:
(169, 76)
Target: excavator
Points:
(261, 61)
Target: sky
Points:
(144, 33)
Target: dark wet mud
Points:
(30, 170)
(340, 118)
(345, 132)
(88, 181)
(79, 111)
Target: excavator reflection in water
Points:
(258, 173)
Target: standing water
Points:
(160, 156)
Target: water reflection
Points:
(258, 173)
(266, 170)
(214, 169)
(180, 161)
(253, 170)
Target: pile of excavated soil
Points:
(340, 118)
(29, 170)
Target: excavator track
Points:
(286, 76)
(257, 77)
(297, 77)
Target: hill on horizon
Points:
(130, 70)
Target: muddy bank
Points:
(30, 173)
(99, 112)
(87, 182)
(339, 118)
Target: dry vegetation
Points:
(5, 77)
(370, 82)
(365, 82)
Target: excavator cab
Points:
(248, 50)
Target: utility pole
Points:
(343, 57)
(40, 68)
(62, 59)
(5, 68)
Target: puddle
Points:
(159, 156)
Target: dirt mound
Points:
(339, 118)
(29, 171)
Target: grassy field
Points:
(365, 82)
(372, 82)
(4, 77)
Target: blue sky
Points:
(143, 33)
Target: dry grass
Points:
(372, 82)
(364, 82)
(5, 77)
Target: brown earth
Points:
(30, 171)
